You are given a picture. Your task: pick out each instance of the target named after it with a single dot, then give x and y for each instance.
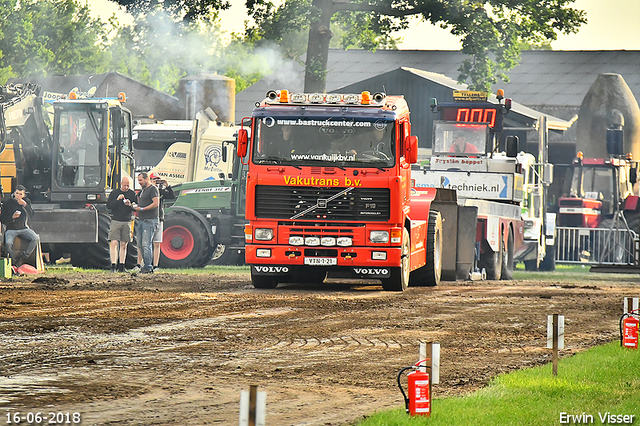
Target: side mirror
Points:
(411, 142)
(512, 147)
(633, 175)
(243, 141)
(547, 174)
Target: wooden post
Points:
(431, 352)
(630, 304)
(555, 338)
(252, 407)
(554, 356)
(253, 395)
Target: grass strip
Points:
(590, 386)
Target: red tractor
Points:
(598, 212)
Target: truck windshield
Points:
(324, 141)
(78, 134)
(592, 182)
(459, 139)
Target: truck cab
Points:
(329, 191)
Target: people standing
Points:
(166, 193)
(16, 212)
(147, 208)
(120, 204)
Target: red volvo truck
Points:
(329, 191)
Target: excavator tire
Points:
(94, 255)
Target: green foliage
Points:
(596, 381)
(39, 38)
(44, 37)
(179, 10)
(492, 31)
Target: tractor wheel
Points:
(507, 259)
(399, 279)
(264, 281)
(184, 242)
(429, 274)
(94, 255)
(491, 260)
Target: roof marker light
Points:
(365, 98)
(316, 98)
(334, 98)
(298, 98)
(351, 98)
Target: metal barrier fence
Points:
(596, 246)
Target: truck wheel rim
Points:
(177, 242)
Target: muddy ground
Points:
(178, 349)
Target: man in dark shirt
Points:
(15, 214)
(120, 203)
(166, 193)
(147, 208)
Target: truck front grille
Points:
(286, 202)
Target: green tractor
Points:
(205, 222)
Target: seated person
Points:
(277, 142)
(460, 145)
(15, 214)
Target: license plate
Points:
(320, 261)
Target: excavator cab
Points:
(92, 149)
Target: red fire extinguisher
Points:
(418, 403)
(629, 326)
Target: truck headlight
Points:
(263, 234)
(328, 241)
(263, 252)
(312, 241)
(344, 241)
(379, 236)
(296, 240)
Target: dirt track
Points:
(177, 349)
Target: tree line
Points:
(170, 39)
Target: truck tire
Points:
(549, 262)
(399, 279)
(184, 242)
(264, 281)
(429, 274)
(491, 260)
(222, 255)
(94, 255)
(507, 259)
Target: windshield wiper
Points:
(270, 159)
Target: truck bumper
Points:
(356, 262)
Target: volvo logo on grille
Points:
(272, 269)
(371, 271)
(322, 204)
